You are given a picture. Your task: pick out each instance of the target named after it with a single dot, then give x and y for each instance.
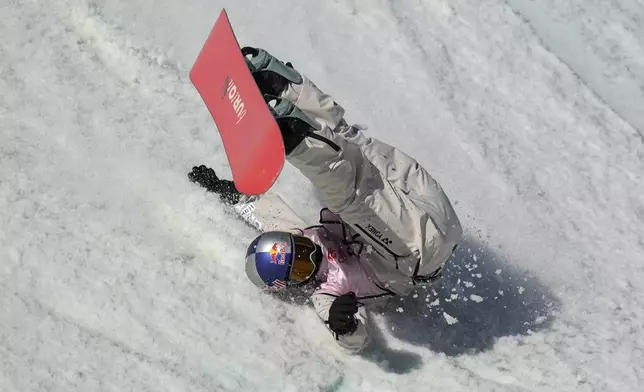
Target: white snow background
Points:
(118, 274)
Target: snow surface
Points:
(117, 274)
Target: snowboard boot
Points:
(294, 124)
(271, 75)
(276, 79)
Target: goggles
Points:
(302, 264)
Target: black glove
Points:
(207, 178)
(271, 75)
(341, 314)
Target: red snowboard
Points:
(251, 137)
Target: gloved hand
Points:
(207, 178)
(271, 75)
(342, 318)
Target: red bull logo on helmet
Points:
(278, 253)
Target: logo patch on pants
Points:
(378, 234)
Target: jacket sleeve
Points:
(353, 342)
(384, 194)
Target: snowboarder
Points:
(387, 225)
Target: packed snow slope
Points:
(117, 274)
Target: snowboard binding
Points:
(271, 75)
(294, 124)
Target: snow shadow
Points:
(388, 359)
(479, 299)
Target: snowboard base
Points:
(250, 134)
